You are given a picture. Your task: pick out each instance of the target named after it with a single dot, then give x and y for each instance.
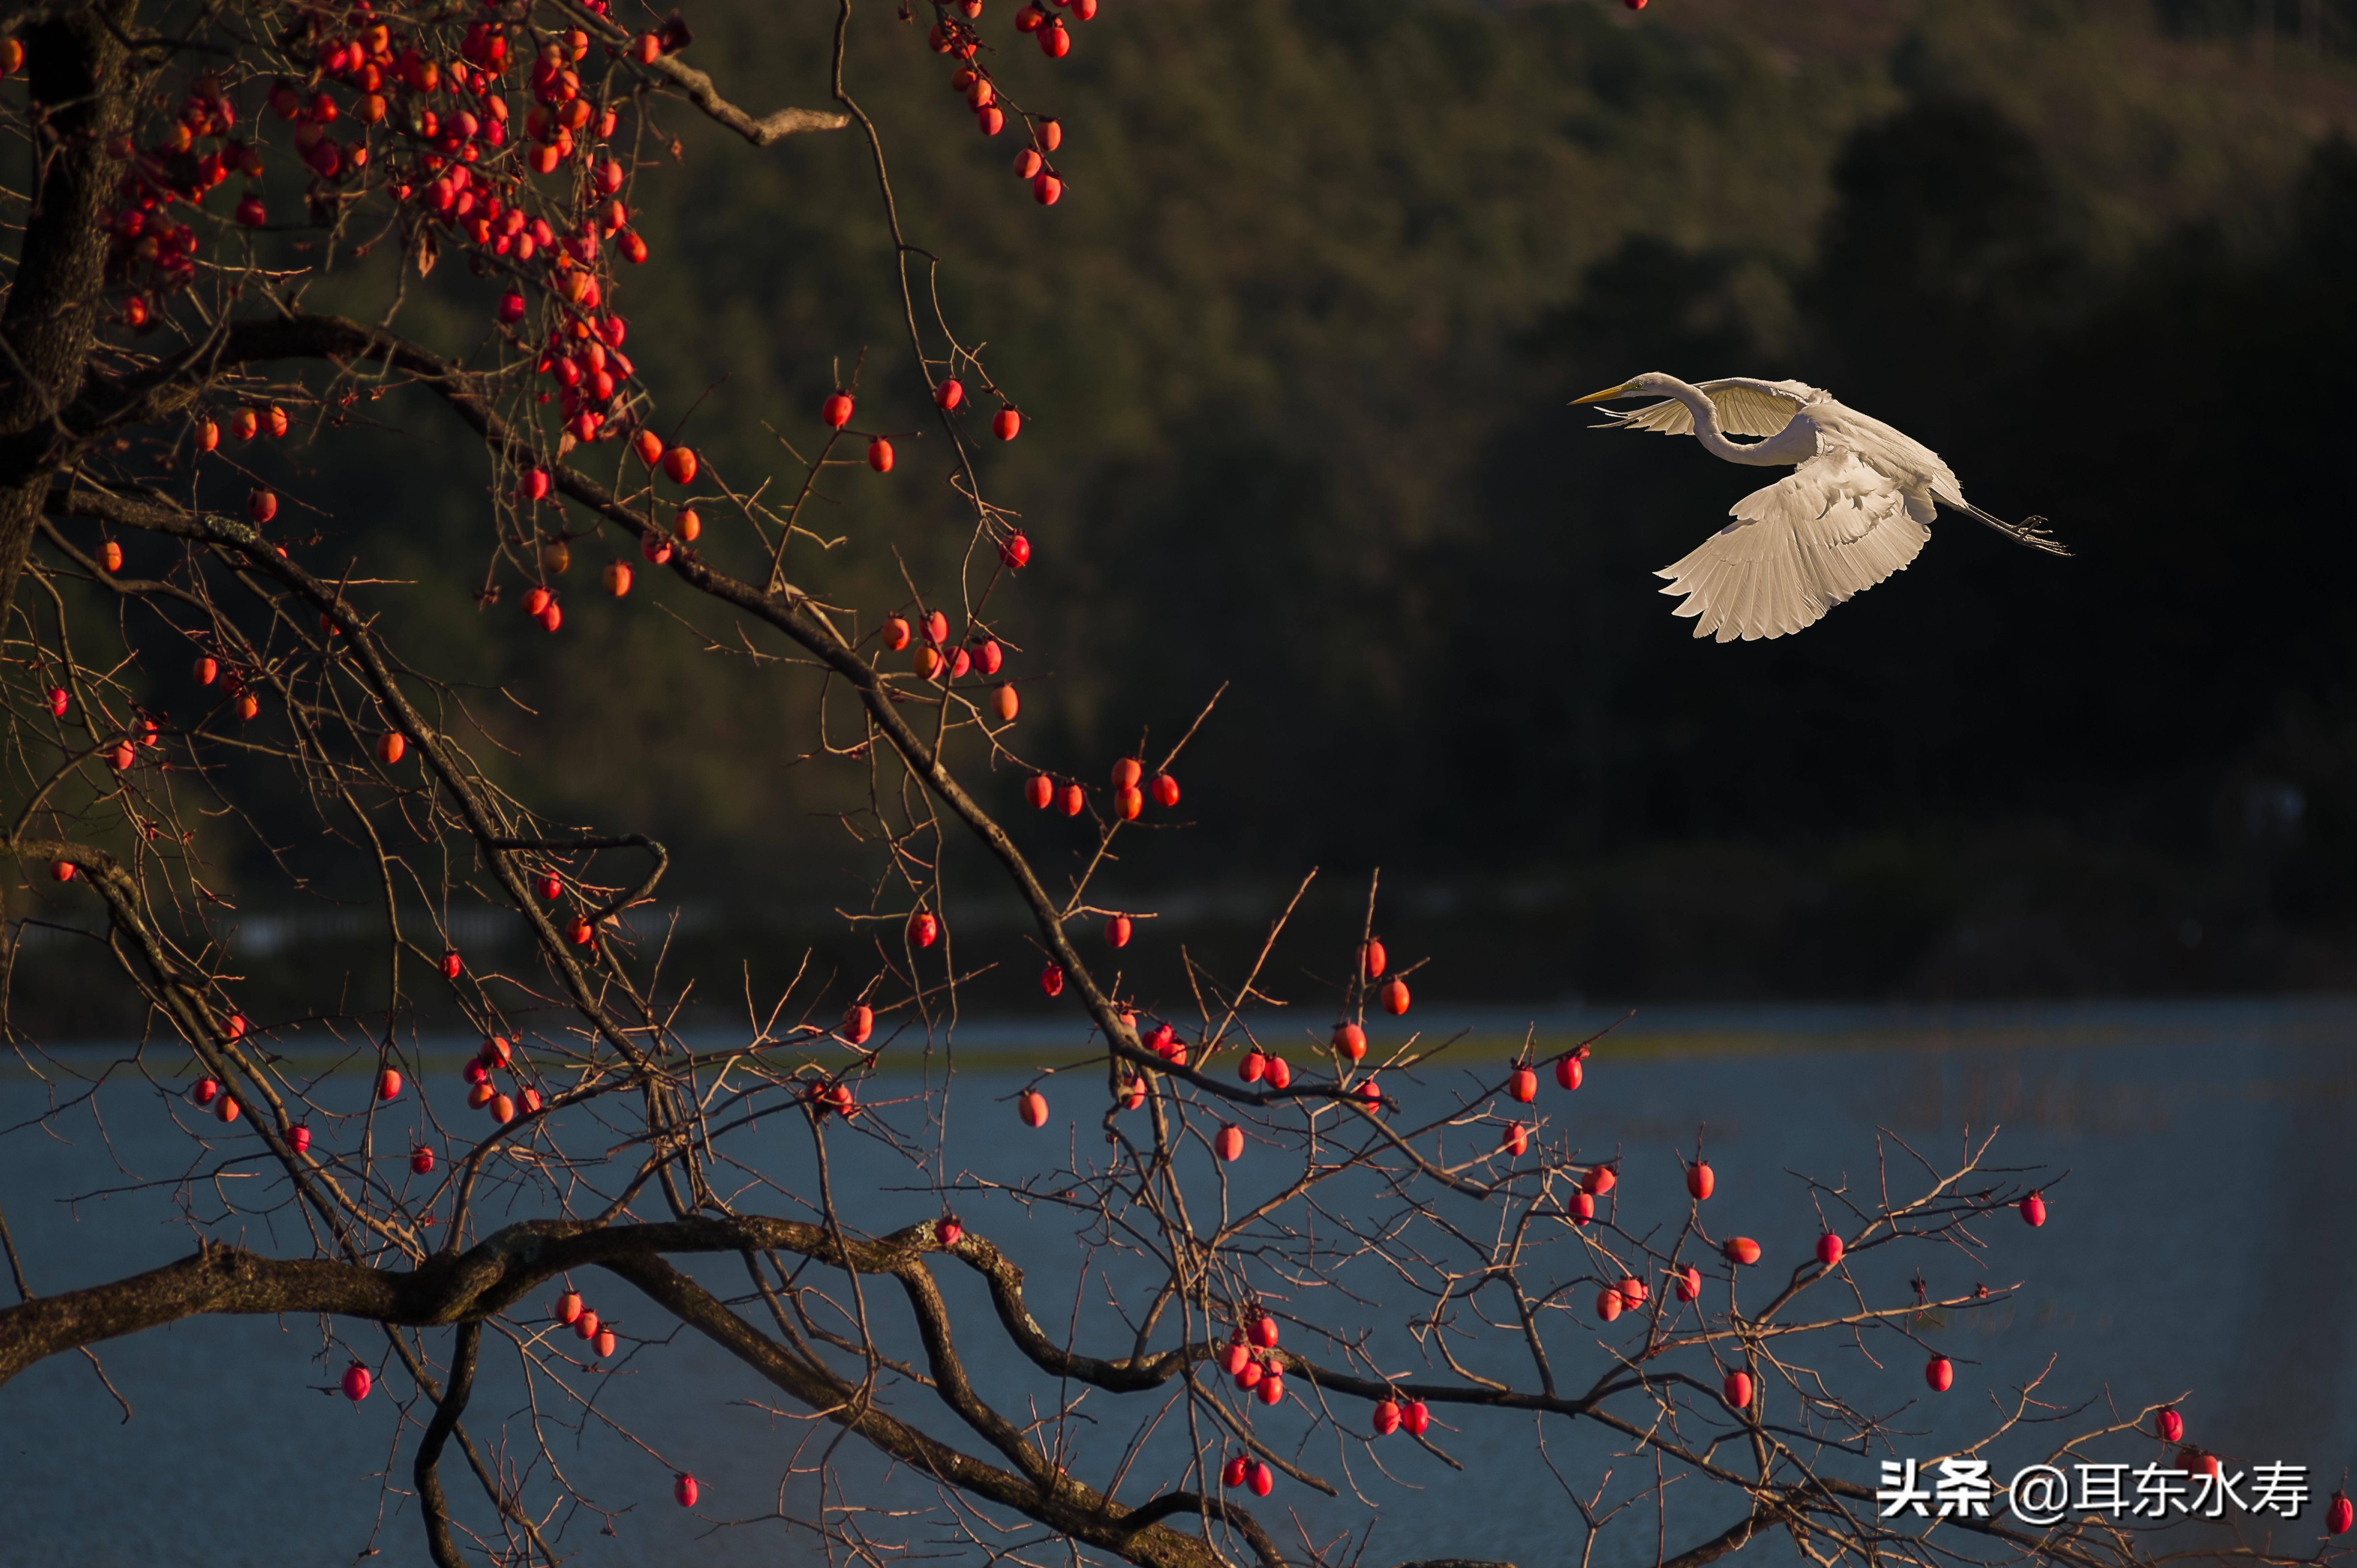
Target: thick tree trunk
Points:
(78, 68)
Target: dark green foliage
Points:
(1293, 355)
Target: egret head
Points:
(1652, 383)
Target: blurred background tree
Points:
(1326, 275)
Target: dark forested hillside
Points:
(1294, 354)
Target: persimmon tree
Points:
(191, 174)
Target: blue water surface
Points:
(2199, 1245)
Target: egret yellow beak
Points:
(1608, 393)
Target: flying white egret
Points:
(1852, 511)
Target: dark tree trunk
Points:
(78, 68)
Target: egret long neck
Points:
(1707, 431)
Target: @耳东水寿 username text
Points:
(2047, 1493)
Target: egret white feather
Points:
(1856, 510)
(1746, 407)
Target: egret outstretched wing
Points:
(1835, 527)
(1746, 407)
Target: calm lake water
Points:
(2200, 1245)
